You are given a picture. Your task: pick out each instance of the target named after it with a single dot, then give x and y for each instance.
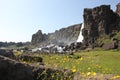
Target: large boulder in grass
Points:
(108, 46)
(7, 53)
(12, 70)
(113, 45)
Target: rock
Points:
(63, 36)
(30, 58)
(113, 45)
(52, 74)
(108, 46)
(38, 37)
(118, 9)
(71, 52)
(12, 70)
(7, 53)
(98, 22)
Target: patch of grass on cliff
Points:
(106, 62)
(117, 35)
(104, 39)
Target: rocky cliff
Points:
(101, 26)
(99, 22)
(60, 37)
(118, 9)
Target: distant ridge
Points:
(63, 36)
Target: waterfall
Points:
(80, 37)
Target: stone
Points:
(30, 58)
(7, 53)
(108, 46)
(52, 74)
(113, 45)
(13, 70)
(38, 37)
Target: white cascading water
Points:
(80, 37)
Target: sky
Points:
(19, 19)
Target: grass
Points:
(105, 62)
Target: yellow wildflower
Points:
(94, 73)
(115, 77)
(56, 65)
(88, 73)
(81, 58)
(88, 68)
(73, 70)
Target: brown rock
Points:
(108, 46)
(113, 45)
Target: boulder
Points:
(113, 45)
(7, 53)
(52, 74)
(108, 46)
(30, 58)
(12, 70)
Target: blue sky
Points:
(19, 19)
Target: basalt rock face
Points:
(38, 37)
(98, 22)
(59, 37)
(118, 9)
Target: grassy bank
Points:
(105, 62)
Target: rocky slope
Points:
(59, 37)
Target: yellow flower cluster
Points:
(91, 73)
(115, 77)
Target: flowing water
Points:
(80, 37)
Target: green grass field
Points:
(103, 62)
